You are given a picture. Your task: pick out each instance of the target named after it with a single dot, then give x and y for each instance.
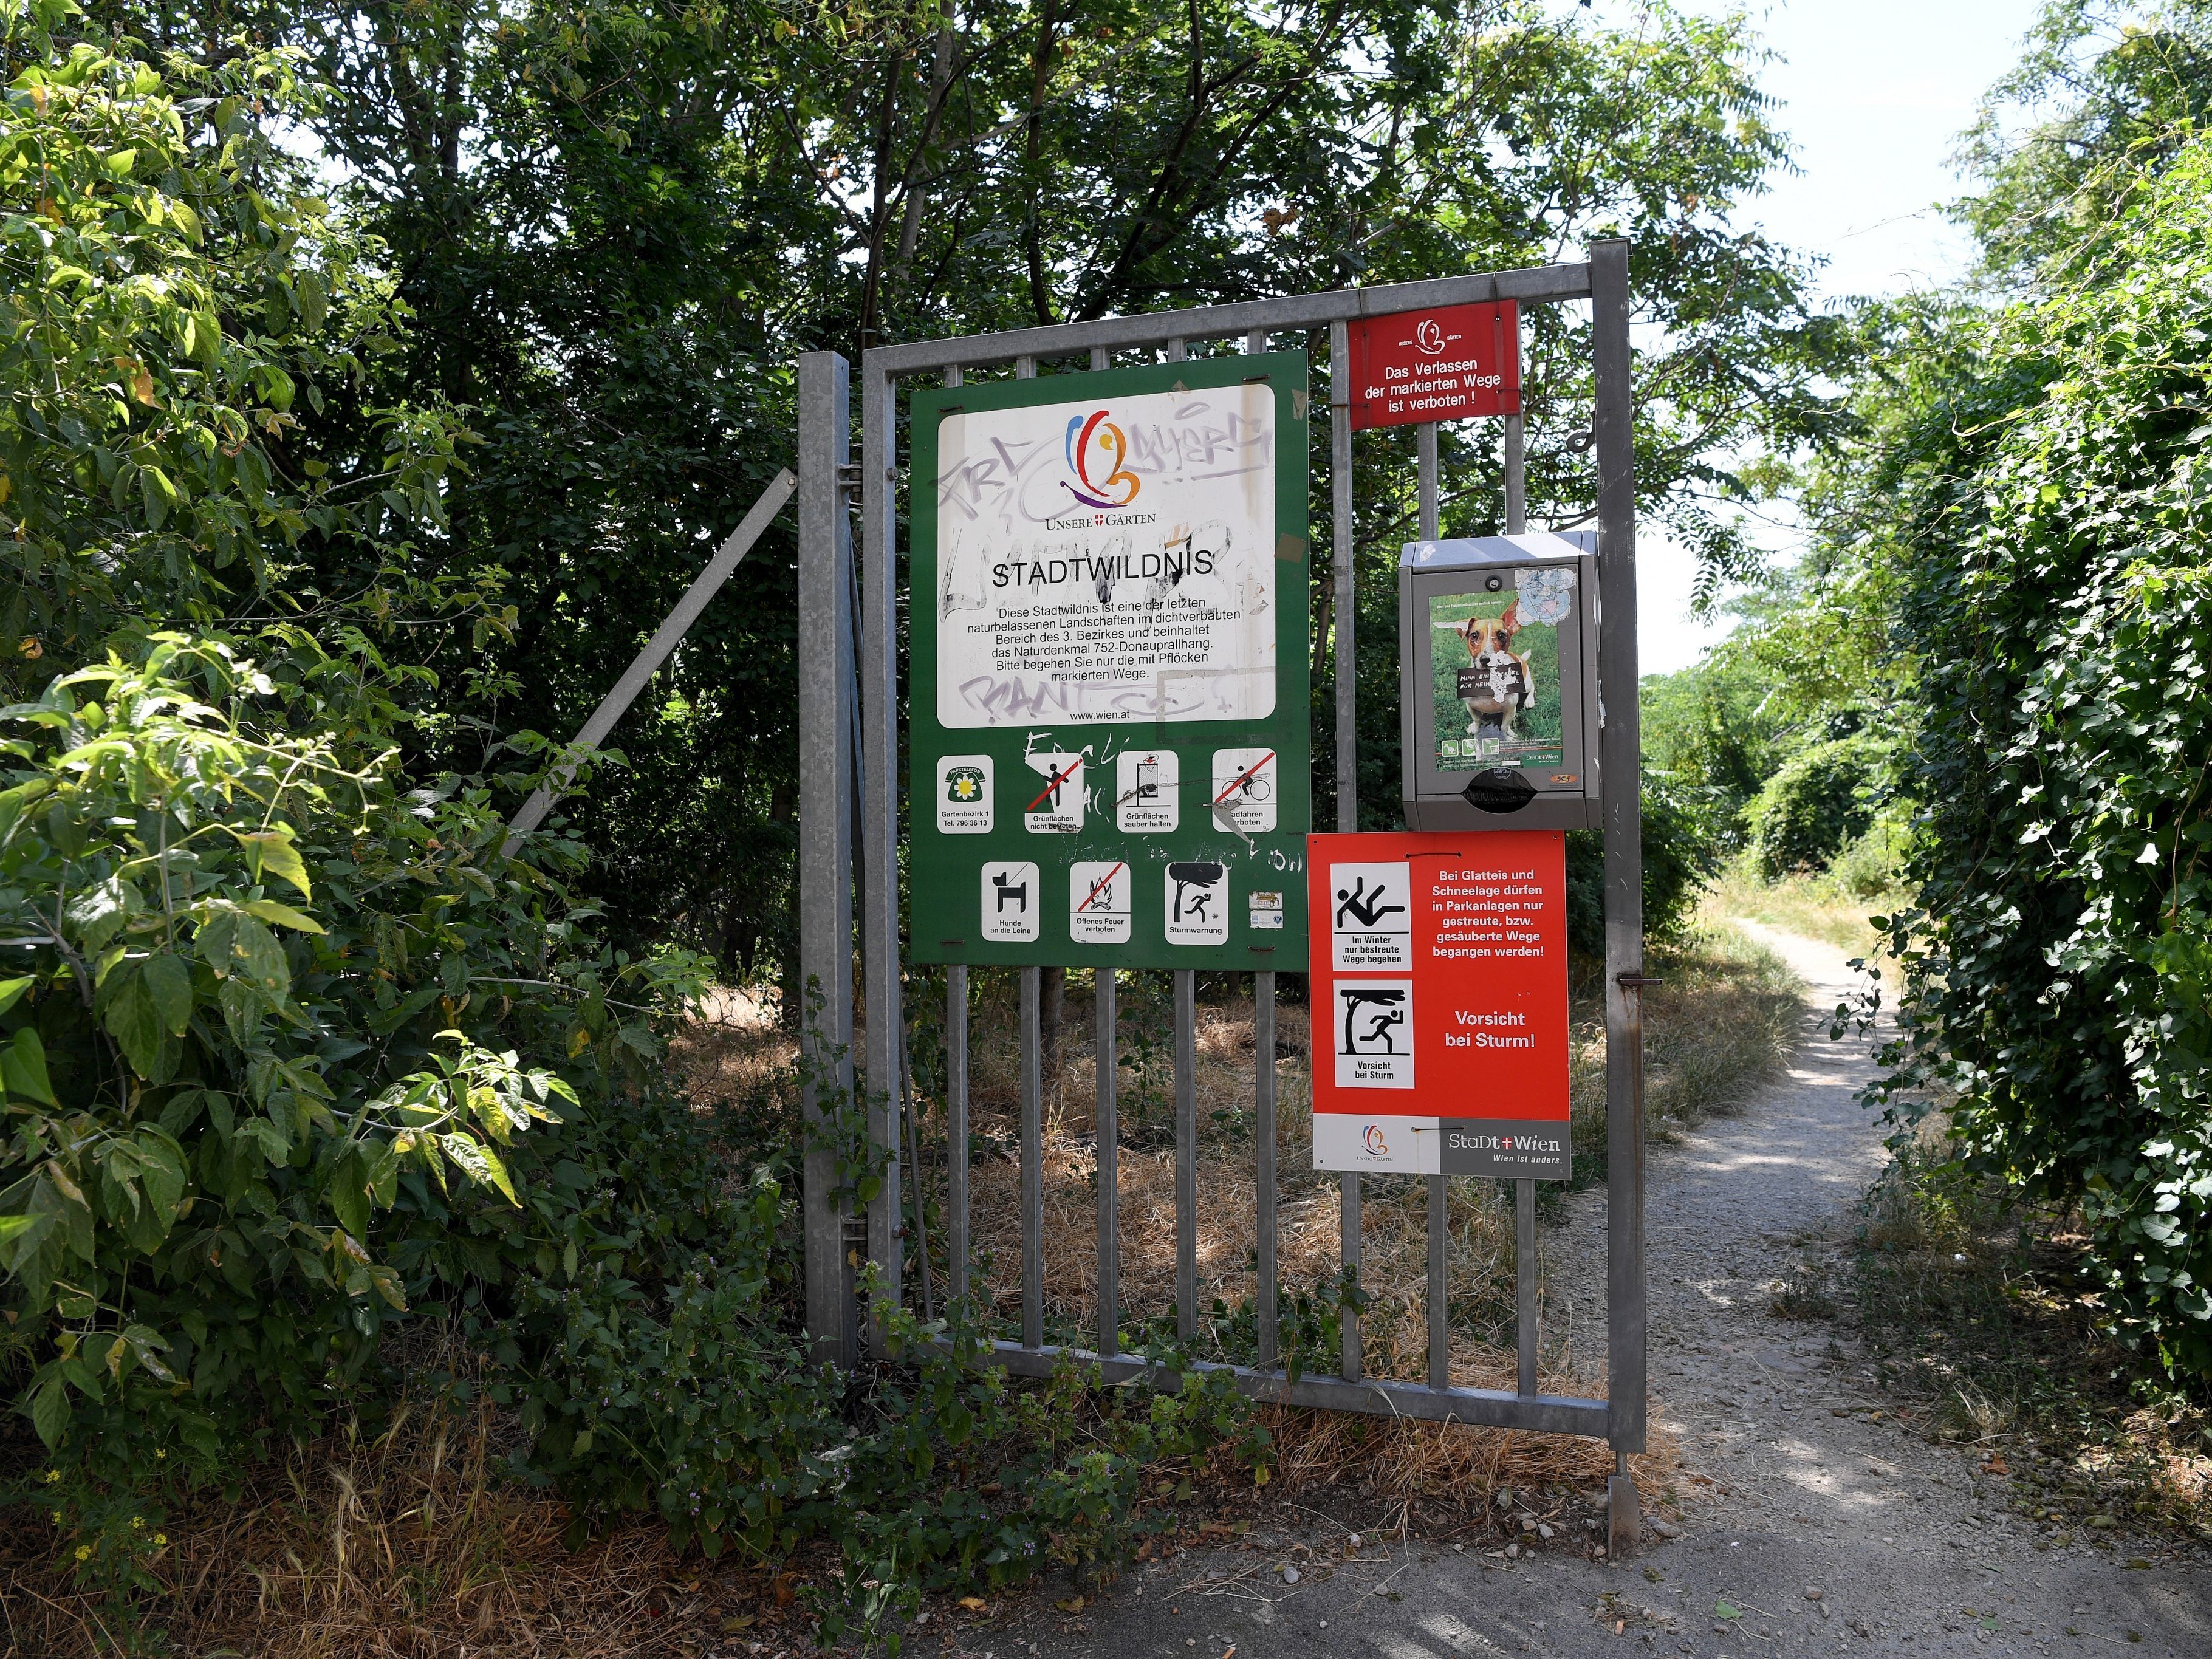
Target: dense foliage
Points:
(2018, 516)
(1820, 798)
(614, 225)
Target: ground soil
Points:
(1803, 1516)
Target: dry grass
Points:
(1975, 1312)
(1818, 906)
(399, 1546)
(407, 1543)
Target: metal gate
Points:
(849, 835)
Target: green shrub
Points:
(1819, 799)
(1681, 853)
(2059, 960)
(263, 1058)
(1868, 866)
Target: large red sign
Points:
(1441, 365)
(1440, 1002)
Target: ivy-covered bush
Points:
(2059, 963)
(1819, 799)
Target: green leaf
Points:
(169, 983)
(49, 1411)
(131, 1017)
(283, 915)
(262, 958)
(147, 1347)
(14, 801)
(12, 1227)
(478, 1161)
(349, 1194)
(272, 850)
(23, 1068)
(11, 991)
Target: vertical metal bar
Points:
(1517, 477)
(956, 1102)
(1265, 1294)
(1177, 352)
(1032, 1109)
(1426, 450)
(1350, 1364)
(825, 818)
(1186, 1093)
(907, 1104)
(1621, 779)
(1348, 746)
(1344, 660)
(1525, 1331)
(878, 492)
(1108, 1123)
(1439, 1297)
(1101, 357)
(1345, 617)
(1032, 1165)
(956, 1130)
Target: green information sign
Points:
(1110, 722)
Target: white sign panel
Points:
(1055, 803)
(1108, 560)
(1371, 916)
(1147, 784)
(1374, 1033)
(1247, 786)
(1196, 902)
(1098, 902)
(1012, 901)
(963, 795)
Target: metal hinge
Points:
(848, 479)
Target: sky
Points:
(1874, 95)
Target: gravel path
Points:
(1795, 1479)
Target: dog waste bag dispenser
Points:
(1498, 682)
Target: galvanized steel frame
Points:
(849, 815)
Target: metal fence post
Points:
(825, 819)
(1343, 618)
(1613, 424)
(877, 482)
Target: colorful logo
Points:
(964, 786)
(1098, 443)
(1377, 1146)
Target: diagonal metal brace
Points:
(665, 641)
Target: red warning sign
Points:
(1440, 1002)
(1442, 365)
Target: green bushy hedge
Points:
(1682, 851)
(2060, 964)
(1819, 799)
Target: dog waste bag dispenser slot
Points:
(1440, 1002)
(1498, 707)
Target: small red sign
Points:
(1440, 1002)
(1442, 365)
